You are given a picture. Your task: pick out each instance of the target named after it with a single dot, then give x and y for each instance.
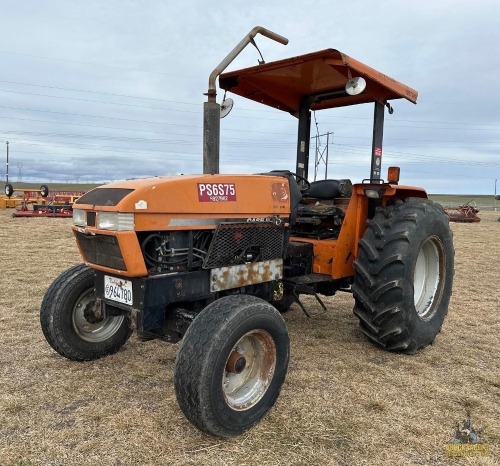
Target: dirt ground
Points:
(344, 402)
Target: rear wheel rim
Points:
(428, 278)
(246, 382)
(93, 332)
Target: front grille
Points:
(101, 250)
(232, 243)
(91, 219)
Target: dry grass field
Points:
(344, 401)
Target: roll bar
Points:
(211, 109)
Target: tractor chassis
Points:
(165, 305)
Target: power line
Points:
(96, 101)
(234, 141)
(98, 137)
(454, 175)
(99, 126)
(107, 65)
(99, 92)
(248, 109)
(234, 116)
(419, 157)
(267, 142)
(238, 142)
(252, 131)
(194, 155)
(87, 115)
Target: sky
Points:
(107, 90)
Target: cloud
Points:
(114, 90)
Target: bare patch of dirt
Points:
(344, 402)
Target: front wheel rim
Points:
(249, 370)
(428, 278)
(93, 332)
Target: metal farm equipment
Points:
(465, 213)
(36, 203)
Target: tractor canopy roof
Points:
(320, 77)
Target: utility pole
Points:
(7, 169)
(20, 173)
(495, 194)
(321, 154)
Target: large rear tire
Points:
(404, 275)
(231, 365)
(68, 323)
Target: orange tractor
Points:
(212, 260)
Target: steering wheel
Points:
(305, 186)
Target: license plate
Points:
(118, 289)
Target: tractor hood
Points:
(250, 195)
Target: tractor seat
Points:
(329, 189)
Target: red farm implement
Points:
(37, 203)
(465, 213)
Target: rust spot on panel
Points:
(225, 278)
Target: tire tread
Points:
(191, 369)
(380, 286)
(52, 319)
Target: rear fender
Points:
(394, 191)
(354, 224)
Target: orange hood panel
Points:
(250, 195)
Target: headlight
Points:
(79, 218)
(115, 221)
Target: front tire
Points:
(404, 275)
(231, 365)
(68, 323)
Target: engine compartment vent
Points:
(240, 243)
